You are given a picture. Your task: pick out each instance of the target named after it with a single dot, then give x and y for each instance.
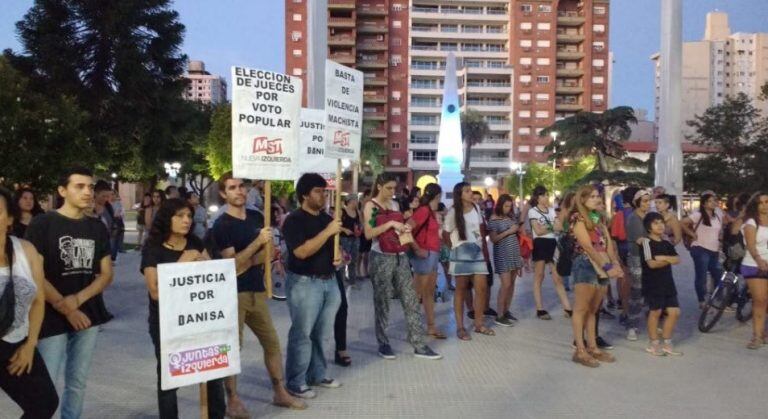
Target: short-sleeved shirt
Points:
(472, 222)
(657, 282)
(426, 230)
(545, 218)
(299, 227)
(155, 254)
(596, 235)
(708, 235)
(72, 251)
(229, 231)
(635, 230)
(761, 243)
(350, 223)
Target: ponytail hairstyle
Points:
(458, 209)
(382, 180)
(431, 191)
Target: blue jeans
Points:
(312, 303)
(77, 349)
(705, 261)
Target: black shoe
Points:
(508, 315)
(611, 305)
(603, 344)
(543, 315)
(491, 313)
(606, 314)
(471, 314)
(343, 361)
(451, 287)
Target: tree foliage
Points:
(218, 147)
(543, 174)
(473, 129)
(371, 149)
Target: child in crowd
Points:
(658, 256)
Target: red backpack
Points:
(618, 231)
(389, 241)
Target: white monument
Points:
(450, 150)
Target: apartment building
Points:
(203, 86)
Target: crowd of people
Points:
(56, 265)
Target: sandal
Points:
(756, 343)
(568, 314)
(485, 331)
(600, 355)
(543, 315)
(293, 405)
(438, 335)
(462, 334)
(585, 359)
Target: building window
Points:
(297, 53)
(598, 45)
(526, 26)
(396, 111)
(296, 36)
(545, 8)
(542, 79)
(539, 149)
(598, 80)
(396, 128)
(525, 78)
(542, 114)
(397, 23)
(597, 98)
(526, 60)
(397, 7)
(599, 10)
(543, 43)
(297, 17)
(423, 155)
(542, 96)
(524, 149)
(598, 28)
(395, 146)
(598, 62)
(397, 59)
(297, 71)
(524, 131)
(526, 43)
(397, 42)
(396, 95)
(525, 96)
(526, 8)
(543, 26)
(524, 114)
(542, 61)
(538, 131)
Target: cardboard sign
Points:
(198, 322)
(312, 147)
(266, 110)
(344, 111)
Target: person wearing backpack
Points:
(425, 252)
(703, 229)
(754, 267)
(384, 224)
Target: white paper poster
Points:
(344, 111)
(266, 109)
(198, 322)
(312, 146)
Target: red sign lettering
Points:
(267, 146)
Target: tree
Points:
(372, 150)
(543, 174)
(38, 134)
(473, 129)
(120, 61)
(218, 150)
(588, 133)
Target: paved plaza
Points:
(523, 372)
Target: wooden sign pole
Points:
(268, 249)
(337, 212)
(204, 400)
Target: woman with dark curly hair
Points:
(28, 207)
(171, 240)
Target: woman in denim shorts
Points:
(462, 230)
(593, 263)
(754, 267)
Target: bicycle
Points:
(732, 289)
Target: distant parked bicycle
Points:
(732, 289)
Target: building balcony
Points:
(569, 72)
(490, 106)
(372, 46)
(368, 10)
(422, 164)
(499, 126)
(375, 81)
(341, 4)
(494, 144)
(567, 38)
(371, 64)
(422, 146)
(372, 27)
(342, 58)
(431, 14)
(341, 22)
(506, 70)
(569, 89)
(570, 55)
(489, 162)
(374, 98)
(341, 40)
(425, 107)
(427, 71)
(377, 133)
(568, 107)
(570, 18)
(437, 34)
(426, 90)
(497, 88)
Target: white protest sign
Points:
(266, 110)
(312, 146)
(344, 110)
(198, 322)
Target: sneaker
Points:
(632, 334)
(654, 348)
(503, 321)
(603, 344)
(427, 353)
(385, 351)
(669, 349)
(508, 315)
(328, 383)
(304, 392)
(543, 315)
(471, 314)
(490, 313)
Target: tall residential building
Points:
(720, 65)
(204, 86)
(521, 63)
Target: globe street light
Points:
(172, 169)
(488, 182)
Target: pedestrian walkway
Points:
(523, 372)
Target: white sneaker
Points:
(328, 383)
(632, 334)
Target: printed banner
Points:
(312, 147)
(198, 322)
(344, 111)
(266, 110)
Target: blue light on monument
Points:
(450, 150)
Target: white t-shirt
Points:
(708, 235)
(472, 221)
(761, 245)
(546, 219)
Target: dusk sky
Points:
(250, 32)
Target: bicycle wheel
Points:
(713, 310)
(744, 307)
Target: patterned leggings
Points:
(388, 271)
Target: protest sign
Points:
(266, 110)
(344, 111)
(312, 147)
(198, 322)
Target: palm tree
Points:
(588, 133)
(474, 128)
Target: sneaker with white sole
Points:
(632, 334)
(427, 353)
(654, 348)
(386, 352)
(669, 349)
(304, 392)
(503, 321)
(328, 383)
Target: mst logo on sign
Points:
(267, 146)
(341, 138)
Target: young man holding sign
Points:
(313, 294)
(240, 234)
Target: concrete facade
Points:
(203, 86)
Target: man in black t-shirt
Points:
(311, 288)
(240, 234)
(77, 264)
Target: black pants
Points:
(166, 399)
(340, 325)
(33, 392)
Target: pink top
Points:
(708, 236)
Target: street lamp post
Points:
(518, 168)
(553, 134)
(172, 169)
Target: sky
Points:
(224, 33)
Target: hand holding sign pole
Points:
(344, 120)
(266, 109)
